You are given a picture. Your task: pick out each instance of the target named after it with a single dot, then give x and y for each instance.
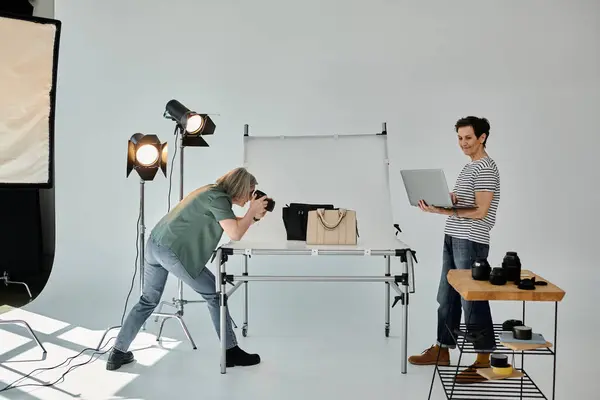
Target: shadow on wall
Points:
(27, 237)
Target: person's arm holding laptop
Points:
(483, 200)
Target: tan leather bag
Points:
(331, 227)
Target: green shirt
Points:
(192, 230)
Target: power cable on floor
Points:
(95, 351)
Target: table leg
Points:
(387, 296)
(245, 273)
(404, 343)
(220, 277)
(555, 337)
(523, 356)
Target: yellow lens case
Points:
(503, 371)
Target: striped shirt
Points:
(478, 175)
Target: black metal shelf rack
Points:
(501, 389)
(468, 347)
(509, 388)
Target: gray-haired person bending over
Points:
(182, 243)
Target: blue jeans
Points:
(159, 261)
(460, 254)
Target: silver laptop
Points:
(429, 185)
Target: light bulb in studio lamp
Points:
(147, 155)
(194, 124)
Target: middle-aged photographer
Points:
(181, 243)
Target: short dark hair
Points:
(479, 125)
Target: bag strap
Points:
(341, 215)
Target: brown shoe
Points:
(430, 357)
(470, 374)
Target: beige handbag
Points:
(331, 227)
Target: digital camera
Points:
(270, 201)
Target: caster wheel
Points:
(244, 332)
(387, 332)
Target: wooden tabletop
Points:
(470, 289)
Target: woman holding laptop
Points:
(467, 238)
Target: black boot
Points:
(236, 356)
(118, 358)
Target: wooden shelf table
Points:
(519, 385)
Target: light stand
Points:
(26, 326)
(190, 126)
(146, 155)
(7, 282)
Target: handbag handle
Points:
(341, 215)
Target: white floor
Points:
(316, 339)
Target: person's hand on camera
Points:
(258, 207)
(261, 215)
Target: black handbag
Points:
(295, 218)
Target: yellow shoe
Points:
(470, 374)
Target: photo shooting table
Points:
(519, 385)
(331, 176)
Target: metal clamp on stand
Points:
(401, 297)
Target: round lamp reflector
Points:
(147, 155)
(194, 123)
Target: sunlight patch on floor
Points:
(10, 341)
(38, 323)
(90, 381)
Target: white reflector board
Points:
(28, 66)
(348, 171)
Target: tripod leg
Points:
(24, 284)
(183, 326)
(162, 324)
(34, 337)
(186, 331)
(159, 308)
(26, 326)
(7, 282)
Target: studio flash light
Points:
(192, 124)
(146, 155)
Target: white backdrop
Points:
(326, 67)
(348, 171)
